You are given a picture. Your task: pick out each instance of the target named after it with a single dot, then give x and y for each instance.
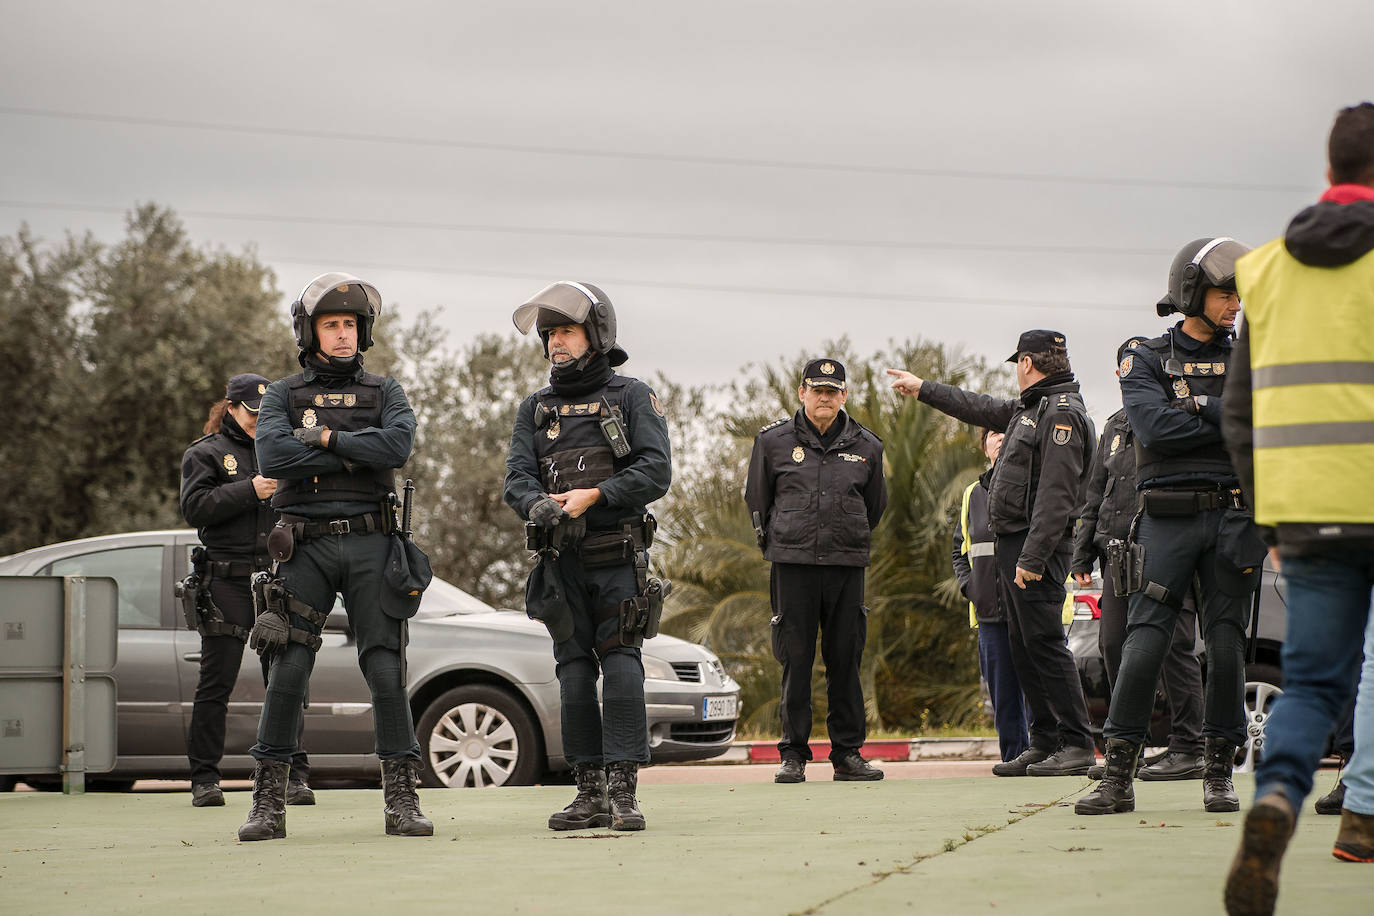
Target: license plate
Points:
(719, 708)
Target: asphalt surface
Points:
(969, 844)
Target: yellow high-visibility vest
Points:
(985, 548)
(1311, 332)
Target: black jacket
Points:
(818, 504)
(1037, 482)
(1110, 501)
(217, 495)
(976, 570)
(1328, 234)
(633, 482)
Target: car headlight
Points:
(657, 668)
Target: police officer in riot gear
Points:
(815, 490)
(1035, 490)
(588, 454)
(332, 435)
(1193, 520)
(226, 499)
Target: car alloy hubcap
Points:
(1259, 702)
(473, 745)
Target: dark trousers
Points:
(1044, 665)
(1175, 549)
(220, 659)
(1008, 703)
(350, 564)
(829, 598)
(614, 728)
(1182, 674)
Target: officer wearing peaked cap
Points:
(226, 499)
(588, 454)
(1034, 492)
(815, 491)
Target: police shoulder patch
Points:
(653, 402)
(1127, 362)
(774, 425)
(1062, 433)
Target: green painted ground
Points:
(945, 846)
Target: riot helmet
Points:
(571, 302)
(1202, 264)
(330, 294)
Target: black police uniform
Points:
(335, 500)
(218, 498)
(1108, 511)
(1193, 521)
(558, 445)
(816, 498)
(1034, 492)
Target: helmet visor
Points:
(339, 292)
(572, 301)
(1218, 262)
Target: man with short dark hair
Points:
(1035, 488)
(1299, 422)
(815, 491)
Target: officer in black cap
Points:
(1033, 497)
(588, 454)
(334, 434)
(224, 496)
(815, 492)
(1193, 521)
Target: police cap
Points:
(824, 373)
(1038, 341)
(246, 389)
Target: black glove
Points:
(546, 512)
(269, 634)
(312, 437)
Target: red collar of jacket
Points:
(1348, 193)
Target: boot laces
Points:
(404, 799)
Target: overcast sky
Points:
(744, 179)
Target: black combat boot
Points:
(622, 778)
(267, 817)
(589, 808)
(403, 817)
(208, 795)
(1330, 803)
(1114, 794)
(298, 791)
(1217, 792)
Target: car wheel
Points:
(1262, 688)
(475, 736)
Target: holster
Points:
(640, 614)
(271, 598)
(1126, 566)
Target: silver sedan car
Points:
(481, 681)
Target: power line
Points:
(886, 244)
(593, 153)
(803, 292)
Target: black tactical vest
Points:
(1191, 379)
(571, 446)
(348, 409)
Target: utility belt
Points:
(291, 530)
(1162, 503)
(595, 549)
(197, 605)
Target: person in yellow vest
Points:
(1299, 421)
(975, 568)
